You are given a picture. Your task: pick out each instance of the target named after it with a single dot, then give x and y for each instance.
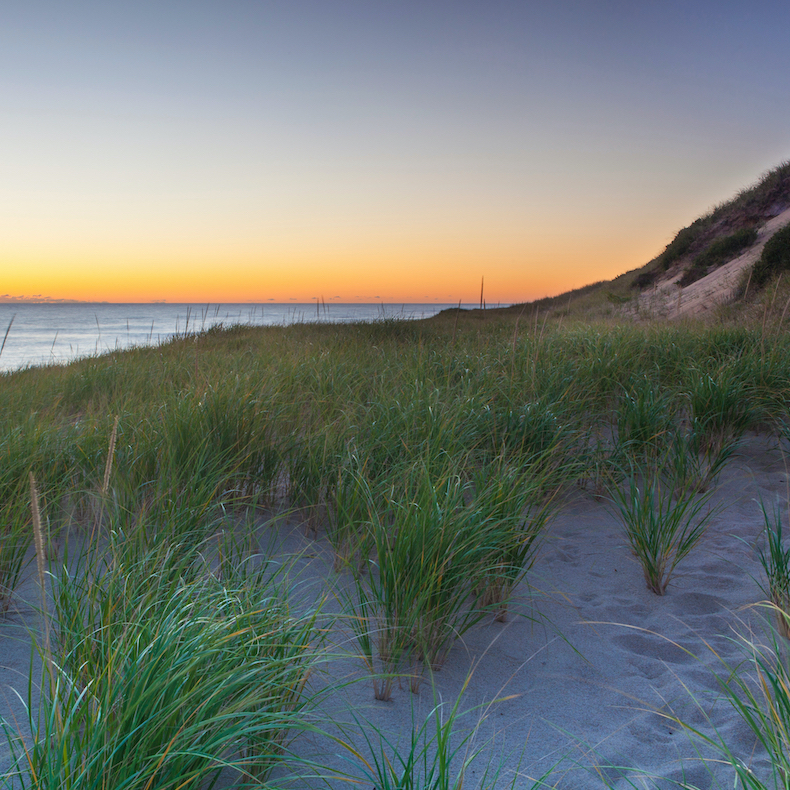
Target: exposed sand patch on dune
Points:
(668, 299)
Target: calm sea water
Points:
(44, 334)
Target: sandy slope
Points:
(593, 658)
(669, 299)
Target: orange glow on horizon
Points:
(362, 274)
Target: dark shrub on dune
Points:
(775, 258)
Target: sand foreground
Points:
(592, 664)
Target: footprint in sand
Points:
(694, 603)
(653, 646)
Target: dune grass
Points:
(775, 559)
(435, 756)
(757, 690)
(430, 456)
(425, 551)
(663, 522)
(168, 664)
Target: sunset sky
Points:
(247, 150)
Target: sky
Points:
(361, 150)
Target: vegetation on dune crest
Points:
(720, 251)
(724, 232)
(728, 227)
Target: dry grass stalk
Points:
(105, 486)
(515, 338)
(776, 291)
(8, 329)
(784, 312)
(455, 324)
(38, 537)
(110, 454)
(748, 281)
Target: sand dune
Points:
(668, 299)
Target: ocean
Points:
(56, 333)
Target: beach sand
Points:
(591, 662)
